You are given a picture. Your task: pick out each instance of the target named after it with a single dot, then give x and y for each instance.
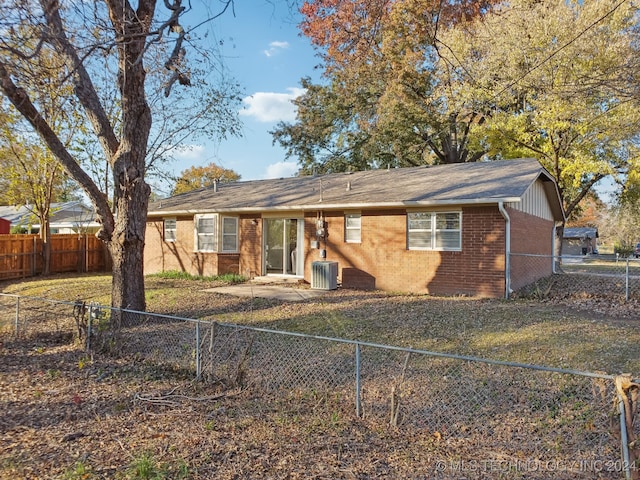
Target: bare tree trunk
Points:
(127, 287)
(45, 236)
(131, 192)
(126, 248)
(124, 232)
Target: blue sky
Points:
(265, 53)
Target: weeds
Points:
(146, 467)
(79, 471)
(179, 275)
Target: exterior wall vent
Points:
(324, 275)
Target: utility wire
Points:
(533, 68)
(554, 53)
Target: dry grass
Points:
(71, 416)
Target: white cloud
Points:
(281, 170)
(188, 153)
(275, 47)
(271, 107)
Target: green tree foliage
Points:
(199, 177)
(31, 175)
(327, 138)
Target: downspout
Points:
(555, 260)
(507, 248)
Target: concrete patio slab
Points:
(277, 291)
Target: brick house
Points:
(443, 230)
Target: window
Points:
(206, 233)
(434, 231)
(210, 235)
(352, 228)
(229, 234)
(169, 229)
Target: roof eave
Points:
(340, 206)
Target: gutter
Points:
(507, 248)
(333, 206)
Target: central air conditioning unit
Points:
(324, 275)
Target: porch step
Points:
(279, 280)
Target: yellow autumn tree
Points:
(556, 80)
(194, 178)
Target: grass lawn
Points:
(71, 415)
(565, 335)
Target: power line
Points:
(554, 53)
(533, 68)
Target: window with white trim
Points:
(170, 229)
(206, 232)
(434, 231)
(352, 228)
(229, 234)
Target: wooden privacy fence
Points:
(22, 255)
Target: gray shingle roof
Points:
(580, 232)
(60, 212)
(464, 183)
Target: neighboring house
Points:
(580, 241)
(67, 217)
(443, 230)
(5, 226)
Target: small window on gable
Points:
(434, 231)
(169, 229)
(206, 232)
(352, 228)
(229, 234)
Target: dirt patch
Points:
(67, 414)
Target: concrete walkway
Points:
(278, 291)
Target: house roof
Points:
(580, 232)
(15, 215)
(454, 184)
(63, 213)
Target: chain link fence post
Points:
(89, 328)
(17, 317)
(626, 281)
(358, 385)
(624, 439)
(198, 353)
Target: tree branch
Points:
(83, 85)
(583, 193)
(21, 101)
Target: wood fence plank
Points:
(22, 255)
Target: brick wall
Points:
(250, 245)
(382, 259)
(530, 235)
(161, 256)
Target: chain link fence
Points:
(531, 421)
(606, 276)
(36, 317)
